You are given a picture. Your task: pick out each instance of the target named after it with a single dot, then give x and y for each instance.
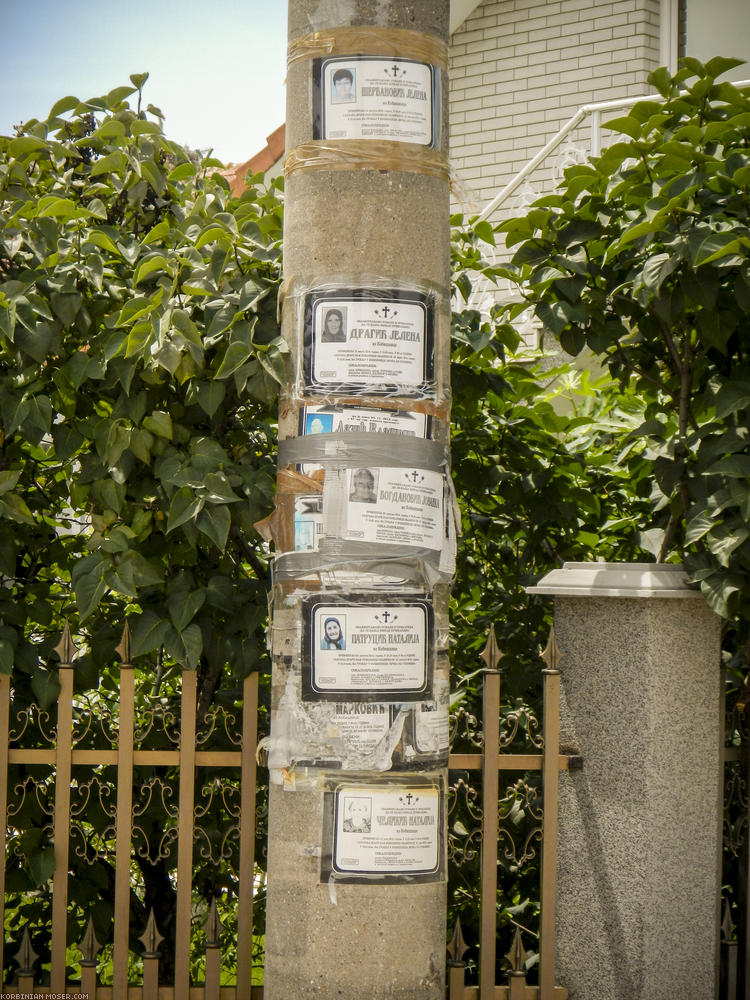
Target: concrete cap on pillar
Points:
(603, 579)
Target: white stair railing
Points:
(595, 111)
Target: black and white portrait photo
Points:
(357, 815)
(363, 486)
(334, 327)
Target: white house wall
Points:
(521, 68)
(720, 29)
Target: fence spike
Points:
(491, 653)
(151, 937)
(26, 956)
(66, 649)
(123, 650)
(212, 926)
(552, 653)
(457, 947)
(516, 957)
(89, 945)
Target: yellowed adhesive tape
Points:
(367, 154)
(371, 41)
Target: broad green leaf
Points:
(184, 605)
(62, 106)
(186, 327)
(718, 590)
(185, 506)
(735, 466)
(219, 489)
(235, 357)
(141, 127)
(112, 128)
(485, 232)
(192, 641)
(111, 164)
(158, 232)
(215, 522)
(116, 96)
(628, 125)
(698, 527)
(88, 583)
(156, 262)
(159, 423)
(16, 509)
(211, 396)
(723, 541)
(8, 479)
(41, 862)
(182, 172)
(153, 175)
(273, 363)
(54, 207)
(148, 632)
(100, 239)
(133, 310)
(7, 656)
(24, 145)
(657, 268)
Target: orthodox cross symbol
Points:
(394, 69)
(409, 797)
(386, 617)
(386, 311)
(414, 476)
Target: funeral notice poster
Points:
(358, 419)
(432, 721)
(376, 97)
(381, 341)
(360, 726)
(365, 650)
(396, 506)
(308, 522)
(389, 831)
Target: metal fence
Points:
(67, 767)
(735, 925)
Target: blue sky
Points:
(217, 67)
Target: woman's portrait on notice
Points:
(357, 815)
(334, 327)
(333, 635)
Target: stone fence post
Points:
(639, 844)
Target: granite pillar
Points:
(639, 844)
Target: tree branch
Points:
(249, 553)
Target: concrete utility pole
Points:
(364, 529)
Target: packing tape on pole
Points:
(367, 154)
(371, 41)
(365, 559)
(362, 448)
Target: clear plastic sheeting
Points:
(360, 682)
(366, 336)
(388, 829)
